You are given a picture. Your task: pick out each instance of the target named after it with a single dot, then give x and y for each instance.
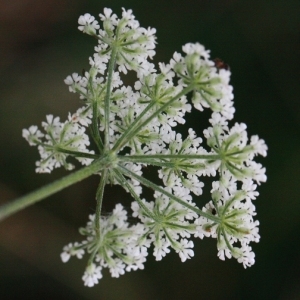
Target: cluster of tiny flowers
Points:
(168, 226)
(133, 129)
(135, 43)
(113, 247)
(68, 136)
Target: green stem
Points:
(145, 158)
(77, 153)
(14, 206)
(124, 182)
(111, 67)
(167, 160)
(131, 126)
(226, 240)
(133, 130)
(95, 127)
(155, 187)
(99, 198)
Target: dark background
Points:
(40, 45)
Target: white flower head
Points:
(123, 134)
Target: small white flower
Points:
(32, 135)
(92, 275)
(72, 250)
(88, 24)
(196, 48)
(259, 145)
(186, 252)
(248, 257)
(117, 269)
(161, 249)
(108, 16)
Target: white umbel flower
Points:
(134, 131)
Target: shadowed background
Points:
(40, 45)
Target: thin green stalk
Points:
(99, 198)
(77, 153)
(132, 125)
(124, 182)
(111, 67)
(166, 164)
(226, 240)
(95, 127)
(133, 130)
(155, 187)
(172, 242)
(146, 158)
(14, 206)
(163, 164)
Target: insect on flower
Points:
(220, 64)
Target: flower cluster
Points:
(133, 128)
(60, 138)
(113, 246)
